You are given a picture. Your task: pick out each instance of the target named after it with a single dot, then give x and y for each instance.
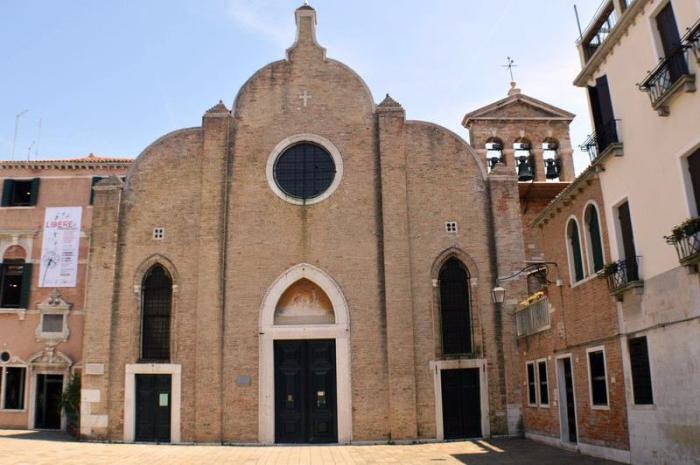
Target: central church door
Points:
(305, 392)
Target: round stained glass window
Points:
(304, 171)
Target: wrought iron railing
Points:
(692, 39)
(533, 318)
(621, 274)
(599, 29)
(686, 240)
(660, 81)
(600, 140)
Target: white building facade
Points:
(639, 60)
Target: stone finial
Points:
(389, 104)
(218, 108)
(305, 43)
(514, 90)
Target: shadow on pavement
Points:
(524, 452)
(61, 436)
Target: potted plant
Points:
(70, 405)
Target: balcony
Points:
(603, 143)
(622, 275)
(599, 29)
(669, 76)
(686, 239)
(692, 39)
(533, 317)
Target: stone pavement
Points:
(32, 448)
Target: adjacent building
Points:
(639, 65)
(45, 221)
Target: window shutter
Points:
(35, 192)
(6, 192)
(26, 285)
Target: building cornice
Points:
(600, 55)
(74, 164)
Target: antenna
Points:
(578, 23)
(14, 138)
(29, 150)
(38, 138)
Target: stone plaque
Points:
(243, 381)
(94, 368)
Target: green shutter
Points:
(594, 232)
(6, 192)
(26, 285)
(576, 250)
(35, 192)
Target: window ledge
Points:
(13, 410)
(17, 207)
(21, 312)
(600, 407)
(613, 150)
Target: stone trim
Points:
(340, 331)
(298, 138)
(436, 366)
(130, 396)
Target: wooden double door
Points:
(153, 399)
(461, 403)
(305, 392)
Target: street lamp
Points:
(498, 294)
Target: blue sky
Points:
(109, 77)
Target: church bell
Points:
(525, 172)
(551, 166)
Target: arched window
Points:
(574, 244)
(595, 241)
(494, 152)
(455, 308)
(523, 159)
(15, 278)
(157, 292)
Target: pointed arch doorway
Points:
(305, 382)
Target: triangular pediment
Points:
(518, 107)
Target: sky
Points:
(111, 77)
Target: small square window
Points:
(52, 323)
(158, 233)
(451, 227)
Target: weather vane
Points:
(511, 64)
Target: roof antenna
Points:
(38, 139)
(578, 23)
(14, 139)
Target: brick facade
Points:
(380, 236)
(582, 316)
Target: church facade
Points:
(312, 267)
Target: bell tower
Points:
(526, 134)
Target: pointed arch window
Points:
(455, 308)
(595, 241)
(157, 296)
(575, 257)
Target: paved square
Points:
(32, 448)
